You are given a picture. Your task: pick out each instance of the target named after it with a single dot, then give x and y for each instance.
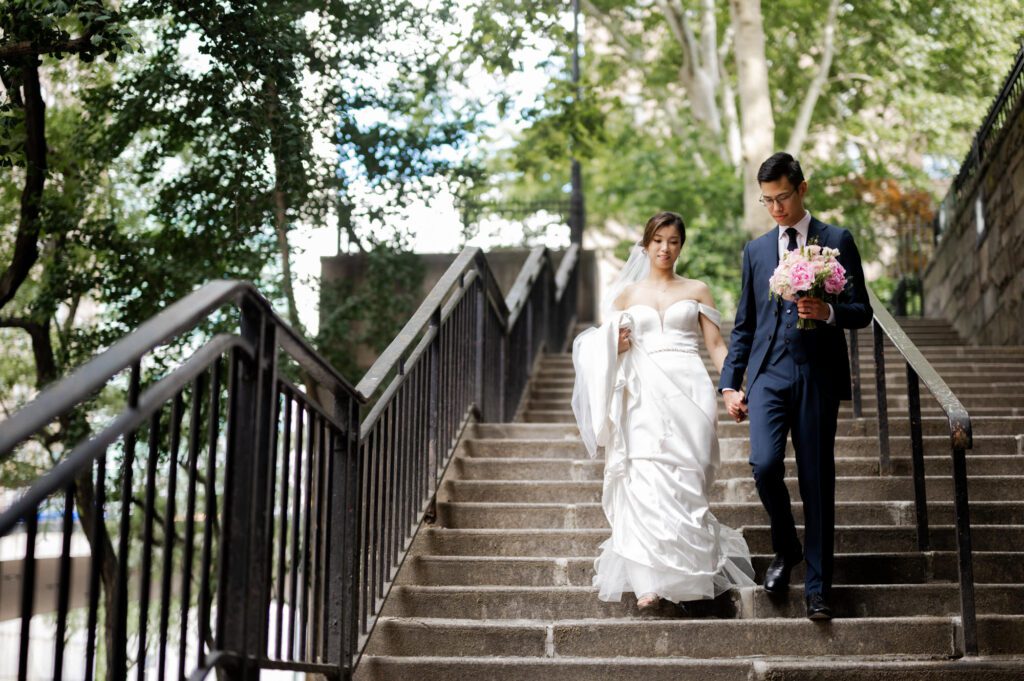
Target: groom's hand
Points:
(735, 405)
(812, 308)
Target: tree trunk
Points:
(757, 123)
(281, 204)
(729, 112)
(101, 544)
(284, 250)
(26, 248)
(696, 76)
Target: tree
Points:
(30, 31)
(875, 84)
(187, 161)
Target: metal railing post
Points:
(917, 456)
(245, 590)
(965, 565)
(858, 406)
(433, 409)
(884, 462)
(479, 346)
(341, 613)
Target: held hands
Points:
(735, 404)
(623, 339)
(812, 308)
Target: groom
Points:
(795, 380)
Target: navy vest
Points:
(786, 337)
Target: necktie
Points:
(791, 233)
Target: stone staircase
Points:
(499, 587)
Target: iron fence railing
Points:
(919, 370)
(238, 514)
(988, 135)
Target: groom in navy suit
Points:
(795, 380)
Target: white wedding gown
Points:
(654, 410)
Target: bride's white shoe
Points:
(647, 602)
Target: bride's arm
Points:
(713, 340)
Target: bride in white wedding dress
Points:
(643, 394)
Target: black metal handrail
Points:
(298, 514)
(919, 370)
(467, 351)
(988, 134)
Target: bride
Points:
(642, 392)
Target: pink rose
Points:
(801, 276)
(836, 280)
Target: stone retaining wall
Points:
(976, 278)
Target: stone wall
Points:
(504, 263)
(976, 278)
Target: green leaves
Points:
(88, 28)
(908, 84)
(219, 124)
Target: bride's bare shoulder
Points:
(626, 297)
(700, 292)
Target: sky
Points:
(437, 225)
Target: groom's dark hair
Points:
(778, 166)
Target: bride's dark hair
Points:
(664, 219)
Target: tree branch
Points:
(709, 40)
(27, 48)
(730, 113)
(26, 248)
(683, 34)
(814, 90)
(42, 347)
(620, 38)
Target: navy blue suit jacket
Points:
(757, 315)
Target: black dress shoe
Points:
(817, 608)
(776, 577)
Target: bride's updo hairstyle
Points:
(663, 219)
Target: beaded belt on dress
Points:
(674, 349)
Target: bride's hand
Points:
(623, 339)
(735, 405)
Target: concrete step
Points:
(850, 568)
(866, 353)
(951, 371)
(582, 542)
(897, 410)
(930, 425)
(735, 466)
(898, 425)
(573, 602)
(494, 515)
(552, 387)
(981, 488)
(739, 448)
(973, 395)
(867, 349)
(691, 638)
(940, 358)
(776, 668)
(991, 449)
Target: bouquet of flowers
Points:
(809, 271)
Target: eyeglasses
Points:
(769, 201)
